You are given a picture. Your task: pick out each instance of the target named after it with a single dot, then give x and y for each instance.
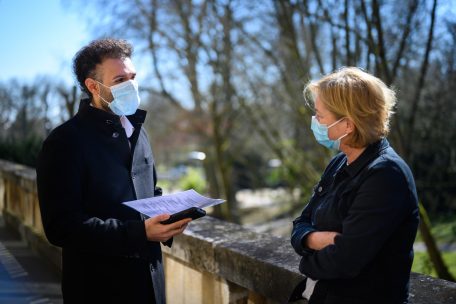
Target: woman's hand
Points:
(320, 239)
(158, 232)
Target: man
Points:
(90, 165)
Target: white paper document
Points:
(172, 203)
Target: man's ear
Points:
(92, 86)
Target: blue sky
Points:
(39, 37)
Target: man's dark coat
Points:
(85, 170)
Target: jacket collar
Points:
(371, 152)
(86, 111)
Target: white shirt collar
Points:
(126, 124)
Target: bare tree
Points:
(70, 99)
(195, 38)
(216, 61)
(390, 46)
(6, 108)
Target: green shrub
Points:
(193, 179)
(23, 152)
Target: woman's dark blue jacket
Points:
(373, 204)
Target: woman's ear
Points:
(350, 126)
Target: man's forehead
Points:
(114, 67)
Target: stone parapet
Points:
(213, 262)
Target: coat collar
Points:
(86, 111)
(371, 152)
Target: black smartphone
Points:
(193, 213)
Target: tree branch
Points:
(412, 9)
(420, 84)
(380, 42)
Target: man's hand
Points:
(155, 231)
(320, 239)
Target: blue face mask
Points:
(320, 132)
(126, 98)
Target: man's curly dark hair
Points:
(87, 58)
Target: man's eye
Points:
(120, 80)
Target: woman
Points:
(356, 234)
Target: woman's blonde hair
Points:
(353, 93)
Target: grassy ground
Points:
(444, 231)
(422, 263)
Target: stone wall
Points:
(213, 262)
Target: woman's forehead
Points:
(318, 105)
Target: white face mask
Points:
(126, 97)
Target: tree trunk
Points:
(432, 249)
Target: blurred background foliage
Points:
(226, 78)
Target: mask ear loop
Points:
(346, 134)
(342, 136)
(104, 100)
(99, 95)
(336, 122)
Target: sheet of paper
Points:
(172, 203)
